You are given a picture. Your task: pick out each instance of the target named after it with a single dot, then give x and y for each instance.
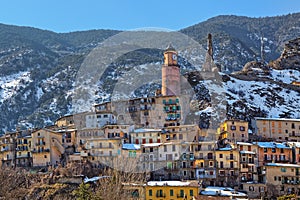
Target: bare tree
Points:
(114, 182)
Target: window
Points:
(275, 178)
(283, 169)
(150, 192)
(221, 156)
(45, 156)
(221, 164)
(273, 150)
(181, 193)
(242, 128)
(249, 148)
(171, 192)
(233, 127)
(165, 148)
(173, 148)
(251, 188)
(191, 193)
(265, 149)
(180, 136)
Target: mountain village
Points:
(236, 160)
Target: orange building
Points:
(269, 152)
(277, 129)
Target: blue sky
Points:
(73, 15)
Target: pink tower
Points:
(170, 73)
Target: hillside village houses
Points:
(260, 159)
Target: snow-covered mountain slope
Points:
(38, 69)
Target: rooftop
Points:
(222, 191)
(277, 119)
(282, 165)
(131, 146)
(273, 145)
(169, 183)
(143, 130)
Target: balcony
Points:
(207, 176)
(243, 179)
(247, 162)
(40, 150)
(230, 157)
(209, 157)
(23, 156)
(181, 196)
(290, 182)
(161, 195)
(171, 102)
(40, 143)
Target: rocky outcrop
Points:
(290, 57)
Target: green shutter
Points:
(191, 193)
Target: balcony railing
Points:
(40, 143)
(230, 158)
(40, 150)
(207, 176)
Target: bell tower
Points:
(170, 73)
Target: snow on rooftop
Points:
(296, 144)
(142, 130)
(277, 119)
(247, 152)
(273, 145)
(225, 149)
(282, 165)
(131, 146)
(244, 143)
(151, 144)
(93, 179)
(170, 183)
(222, 191)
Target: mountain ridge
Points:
(38, 67)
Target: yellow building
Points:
(236, 130)
(23, 154)
(281, 178)
(277, 129)
(47, 148)
(102, 150)
(186, 133)
(205, 161)
(171, 190)
(65, 121)
(227, 167)
(6, 150)
(248, 161)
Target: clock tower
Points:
(170, 73)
